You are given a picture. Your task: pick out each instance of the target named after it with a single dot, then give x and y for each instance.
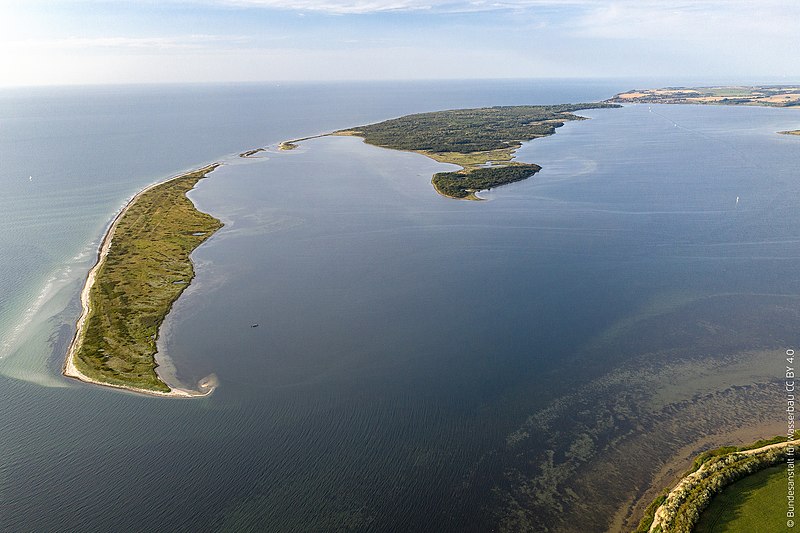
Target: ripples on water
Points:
(406, 339)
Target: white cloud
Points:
(183, 42)
(704, 21)
(453, 6)
(521, 38)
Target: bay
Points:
(403, 337)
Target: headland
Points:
(481, 141)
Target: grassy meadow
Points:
(145, 270)
(755, 503)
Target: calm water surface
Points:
(402, 336)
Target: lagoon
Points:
(412, 350)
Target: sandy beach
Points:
(70, 369)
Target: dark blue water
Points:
(402, 336)
(70, 157)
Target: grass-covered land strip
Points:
(251, 153)
(679, 510)
(500, 156)
(790, 132)
(755, 503)
(482, 141)
(143, 267)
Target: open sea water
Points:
(402, 335)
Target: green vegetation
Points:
(762, 95)
(712, 471)
(756, 503)
(145, 270)
(482, 141)
(725, 450)
(251, 153)
(470, 130)
(462, 183)
(649, 513)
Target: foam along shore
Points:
(95, 364)
(206, 385)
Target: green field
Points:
(147, 267)
(711, 472)
(482, 141)
(753, 504)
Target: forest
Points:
(471, 130)
(482, 141)
(462, 183)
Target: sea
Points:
(410, 348)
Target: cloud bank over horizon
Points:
(107, 41)
(454, 6)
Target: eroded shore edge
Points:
(675, 495)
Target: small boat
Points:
(254, 326)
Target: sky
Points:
(170, 41)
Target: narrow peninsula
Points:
(143, 266)
(481, 141)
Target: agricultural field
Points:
(755, 503)
(772, 96)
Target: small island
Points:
(481, 141)
(251, 153)
(143, 266)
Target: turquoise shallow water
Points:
(402, 336)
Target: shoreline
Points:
(472, 195)
(482, 141)
(630, 513)
(292, 143)
(661, 513)
(69, 369)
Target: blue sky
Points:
(147, 41)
